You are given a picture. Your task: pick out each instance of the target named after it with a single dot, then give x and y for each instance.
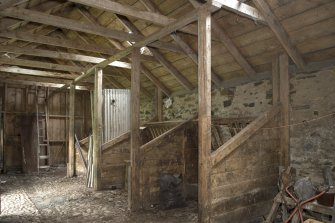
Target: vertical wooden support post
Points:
(71, 151)
(134, 193)
(159, 105)
(204, 86)
(285, 118)
(275, 81)
(97, 129)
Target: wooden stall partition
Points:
(163, 154)
(115, 154)
(244, 172)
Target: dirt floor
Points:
(51, 197)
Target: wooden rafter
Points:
(280, 33)
(61, 55)
(186, 19)
(144, 70)
(38, 64)
(183, 45)
(61, 22)
(64, 43)
(159, 56)
(11, 3)
(229, 44)
(125, 10)
(39, 73)
(240, 8)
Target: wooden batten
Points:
(71, 148)
(204, 82)
(97, 129)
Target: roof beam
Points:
(65, 43)
(229, 44)
(183, 45)
(61, 55)
(143, 69)
(157, 55)
(240, 8)
(280, 33)
(40, 73)
(186, 19)
(36, 82)
(61, 22)
(120, 9)
(38, 64)
(11, 3)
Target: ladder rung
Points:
(44, 157)
(44, 167)
(43, 144)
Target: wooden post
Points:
(285, 118)
(71, 151)
(134, 193)
(97, 129)
(275, 81)
(204, 81)
(158, 105)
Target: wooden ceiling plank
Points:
(38, 64)
(57, 21)
(280, 33)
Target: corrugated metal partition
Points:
(116, 113)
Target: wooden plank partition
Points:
(244, 172)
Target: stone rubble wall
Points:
(311, 96)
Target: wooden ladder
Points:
(43, 148)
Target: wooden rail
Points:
(147, 147)
(106, 146)
(242, 136)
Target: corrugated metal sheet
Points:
(116, 113)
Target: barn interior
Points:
(167, 111)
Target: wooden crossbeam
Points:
(144, 70)
(38, 64)
(61, 22)
(39, 73)
(280, 33)
(183, 45)
(239, 8)
(172, 69)
(229, 44)
(188, 18)
(121, 9)
(11, 3)
(64, 43)
(157, 55)
(12, 78)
